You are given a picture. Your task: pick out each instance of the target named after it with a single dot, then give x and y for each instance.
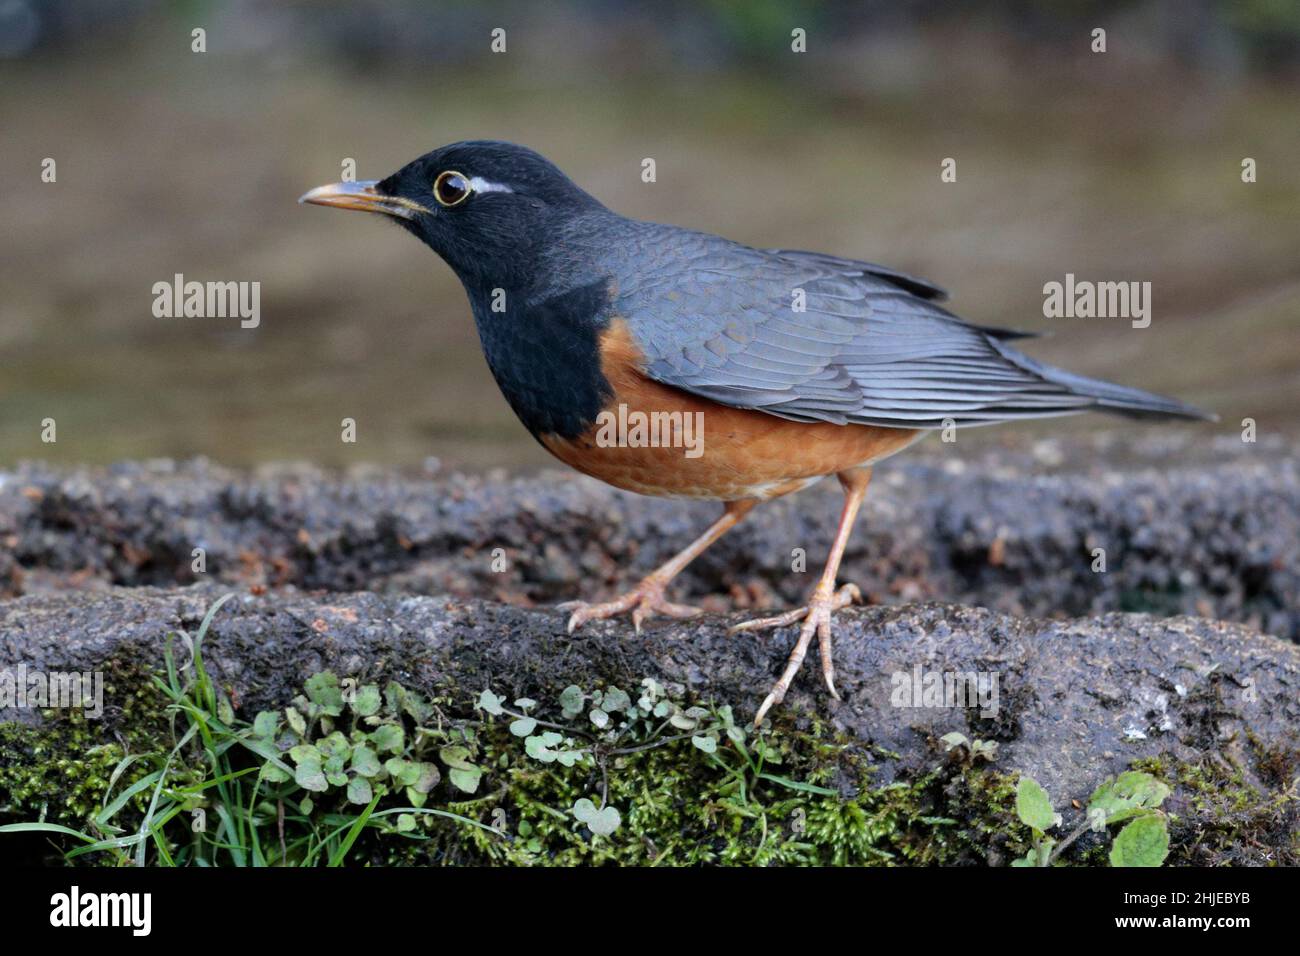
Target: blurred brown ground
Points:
(1110, 167)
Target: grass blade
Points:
(360, 824)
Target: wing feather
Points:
(870, 345)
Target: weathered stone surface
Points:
(1189, 525)
(378, 575)
(1077, 699)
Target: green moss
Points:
(681, 809)
(60, 771)
(56, 773)
(679, 806)
(1222, 818)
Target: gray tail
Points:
(1109, 397)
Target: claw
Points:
(768, 703)
(763, 623)
(644, 601)
(828, 665)
(816, 617)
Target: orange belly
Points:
(703, 449)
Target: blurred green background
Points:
(1117, 166)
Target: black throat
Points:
(545, 354)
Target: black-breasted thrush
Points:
(798, 364)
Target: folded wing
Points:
(812, 337)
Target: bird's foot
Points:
(644, 601)
(816, 617)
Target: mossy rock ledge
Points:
(1210, 706)
(1178, 659)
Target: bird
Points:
(795, 365)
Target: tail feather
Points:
(1110, 397)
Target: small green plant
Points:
(279, 791)
(966, 751)
(355, 772)
(617, 726)
(1133, 796)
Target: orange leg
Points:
(816, 615)
(647, 598)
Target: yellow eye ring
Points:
(451, 188)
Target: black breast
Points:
(545, 356)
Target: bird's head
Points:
(483, 206)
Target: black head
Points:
(484, 206)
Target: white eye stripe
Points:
(480, 185)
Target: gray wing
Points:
(871, 346)
(923, 288)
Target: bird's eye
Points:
(451, 188)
